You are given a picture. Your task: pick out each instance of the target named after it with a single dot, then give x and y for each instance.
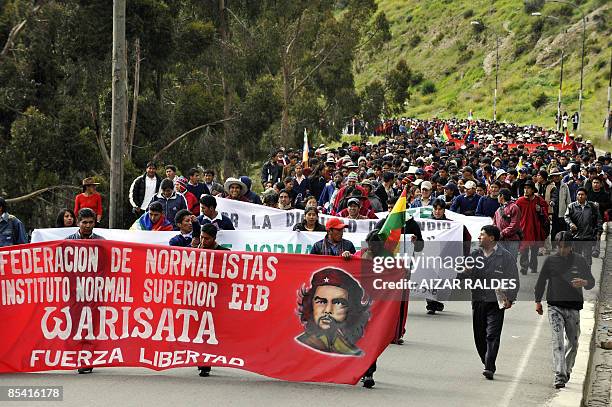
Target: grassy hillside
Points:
(435, 37)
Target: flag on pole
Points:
(469, 135)
(391, 231)
(567, 140)
(305, 150)
(446, 134)
(520, 163)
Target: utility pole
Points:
(119, 115)
(559, 99)
(496, 76)
(609, 112)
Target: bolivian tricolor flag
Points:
(391, 232)
(446, 134)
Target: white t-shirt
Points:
(150, 184)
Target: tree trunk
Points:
(130, 139)
(284, 130)
(119, 115)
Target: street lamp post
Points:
(582, 58)
(538, 14)
(496, 68)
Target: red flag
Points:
(567, 140)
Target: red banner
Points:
(95, 303)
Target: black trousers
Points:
(529, 258)
(585, 249)
(371, 370)
(487, 322)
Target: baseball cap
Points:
(470, 185)
(335, 223)
(426, 185)
(353, 201)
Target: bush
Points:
(536, 29)
(465, 56)
(416, 78)
(565, 10)
(468, 13)
(532, 6)
(600, 64)
(539, 101)
(478, 28)
(428, 88)
(520, 48)
(414, 41)
(438, 38)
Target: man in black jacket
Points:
(272, 171)
(144, 188)
(491, 262)
(566, 274)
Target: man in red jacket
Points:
(508, 219)
(534, 217)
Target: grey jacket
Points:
(587, 220)
(564, 198)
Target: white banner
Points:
(442, 239)
(248, 216)
(275, 241)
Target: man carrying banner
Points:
(154, 219)
(208, 207)
(333, 244)
(439, 213)
(86, 221)
(392, 228)
(208, 241)
(184, 221)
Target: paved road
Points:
(437, 366)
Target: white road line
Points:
(509, 394)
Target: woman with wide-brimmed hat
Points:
(235, 189)
(90, 198)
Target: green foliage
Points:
(532, 6)
(428, 87)
(520, 48)
(397, 82)
(468, 13)
(372, 101)
(414, 40)
(539, 101)
(478, 28)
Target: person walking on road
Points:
(565, 273)
(489, 305)
(584, 222)
(534, 224)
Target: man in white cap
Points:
(466, 203)
(425, 199)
